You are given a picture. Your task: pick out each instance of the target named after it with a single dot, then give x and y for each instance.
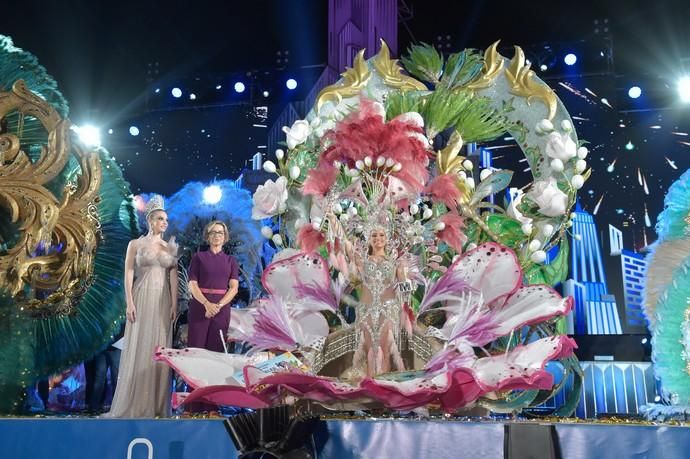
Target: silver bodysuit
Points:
(378, 277)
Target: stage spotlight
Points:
(291, 83)
(266, 94)
(192, 96)
(629, 146)
(157, 90)
(634, 92)
(176, 92)
(239, 87)
(110, 131)
(570, 59)
(218, 86)
(89, 135)
(644, 340)
(684, 88)
(134, 131)
(543, 67)
(212, 194)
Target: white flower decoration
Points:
(560, 146)
(552, 201)
(270, 199)
(297, 134)
(320, 126)
(516, 196)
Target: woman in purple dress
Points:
(213, 282)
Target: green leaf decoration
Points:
(535, 275)
(473, 232)
(424, 62)
(572, 367)
(554, 272)
(519, 131)
(513, 403)
(462, 68)
(399, 102)
(508, 230)
(443, 109)
(557, 270)
(480, 122)
(494, 183)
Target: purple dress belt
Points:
(214, 291)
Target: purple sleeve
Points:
(194, 268)
(235, 270)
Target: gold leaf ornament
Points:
(523, 83)
(391, 72)
(43, 219)
(354, 80)
(493, 64)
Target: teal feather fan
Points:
(667, 291)
(32, 347)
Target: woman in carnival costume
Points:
(143, 386)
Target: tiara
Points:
(154, 204)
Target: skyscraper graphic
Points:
(352, 25)
(595, 311)
(633, 268)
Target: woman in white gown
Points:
(144, 386)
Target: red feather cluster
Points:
(365, 133)
(310, 239)
(452, 233)
(444, 188)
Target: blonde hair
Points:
(207, 230)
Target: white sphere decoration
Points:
(557, 165)
(414, 208)
(538, 257)
(547, 229)
(534, 245)
(566, 125)
(397, 167)
(280, 154)
(427, 213)
(544, 126)
(270, 167)
(484, 174)
(580, 165)
(527, 229)
(367, 161)
(440, 226)
(277, 239)
(467, 164)
(577, 181)
(266, 232)
(359, 164)
(380, 161)
(295, 172)
(582, 152)
(470, 182)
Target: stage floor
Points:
(78, 438)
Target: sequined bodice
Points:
(152, 256)
(378, 276)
